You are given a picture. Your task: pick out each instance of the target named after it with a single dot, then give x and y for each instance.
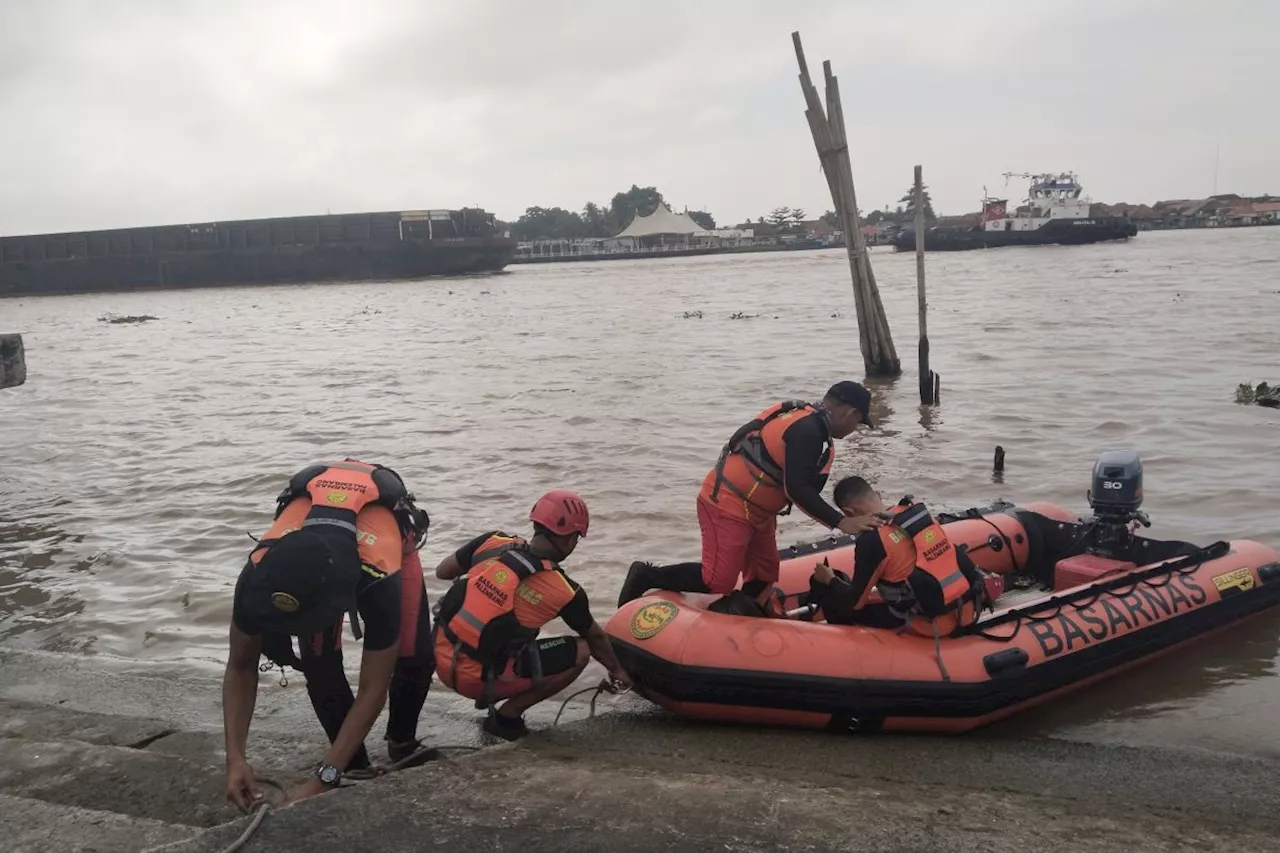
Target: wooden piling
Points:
(928, 381)
(13, 363)
(827, 127)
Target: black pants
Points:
(330, 691)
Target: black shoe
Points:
(507, 728)
(639, 581)
(410, 754)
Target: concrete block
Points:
(13, 361)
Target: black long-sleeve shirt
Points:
(806, 441)
(840, 597)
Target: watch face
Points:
(328, 774)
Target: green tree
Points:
(875, 217)
(637, 200)
(599, 220)
(910, 200)
(549, 223)
(797, 218)
(706, 220)
(779, 217)
(832, 219)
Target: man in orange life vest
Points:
(781, 457)
(345, 540)
(507, 588)
(923, 580)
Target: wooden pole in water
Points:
(13, 362)
(927, 380)
(829, 139)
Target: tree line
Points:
(595, 220)
(606, 220)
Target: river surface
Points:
(137, 458)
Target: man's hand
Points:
(242, 788)
(618, 681)
(855, 524)
(823, 573)
(307, 789)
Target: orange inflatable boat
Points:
(1078, 599)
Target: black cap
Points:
(303, 584)
(855, 395)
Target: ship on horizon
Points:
(284, 250)
(1054, 212)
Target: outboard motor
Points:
(1115, 499)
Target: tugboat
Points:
(1054, 212)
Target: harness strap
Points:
(748, 443)
(490, 553)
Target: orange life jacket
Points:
(749, 474)
(914, 542)
(502, 602)
(337, 492)
(495, 546)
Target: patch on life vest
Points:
(930, 536)
(1237, 579)
(336, 497)
(284, 602)
(896, 536)
(501, 576)
(652, 618)
(529, 594)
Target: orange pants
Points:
(732, 546)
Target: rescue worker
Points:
(505, 589)
(345, 540)
(780, 458)
(925, 583)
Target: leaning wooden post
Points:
(13, 362)
(927, 383)
(863, 281)
(829, 139)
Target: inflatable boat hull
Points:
(713, 666)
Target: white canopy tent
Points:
(661, 221)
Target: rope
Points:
(598, 690)
(249, 830)
(374, 771)
(602, 687)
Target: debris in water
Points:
(693, 315)
(130, 318)
(1262, 395)
(739, 315)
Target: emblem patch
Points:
(652, 618)
(284, 602)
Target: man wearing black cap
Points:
(345, 540)
(782, 457)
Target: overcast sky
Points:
(136, 113)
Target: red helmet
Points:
(562, 512)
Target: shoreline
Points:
(109, 754)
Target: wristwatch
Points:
(329, 775)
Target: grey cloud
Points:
(147, 112)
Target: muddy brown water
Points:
(138, 456)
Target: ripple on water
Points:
(141, 456)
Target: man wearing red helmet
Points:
(505, 589)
